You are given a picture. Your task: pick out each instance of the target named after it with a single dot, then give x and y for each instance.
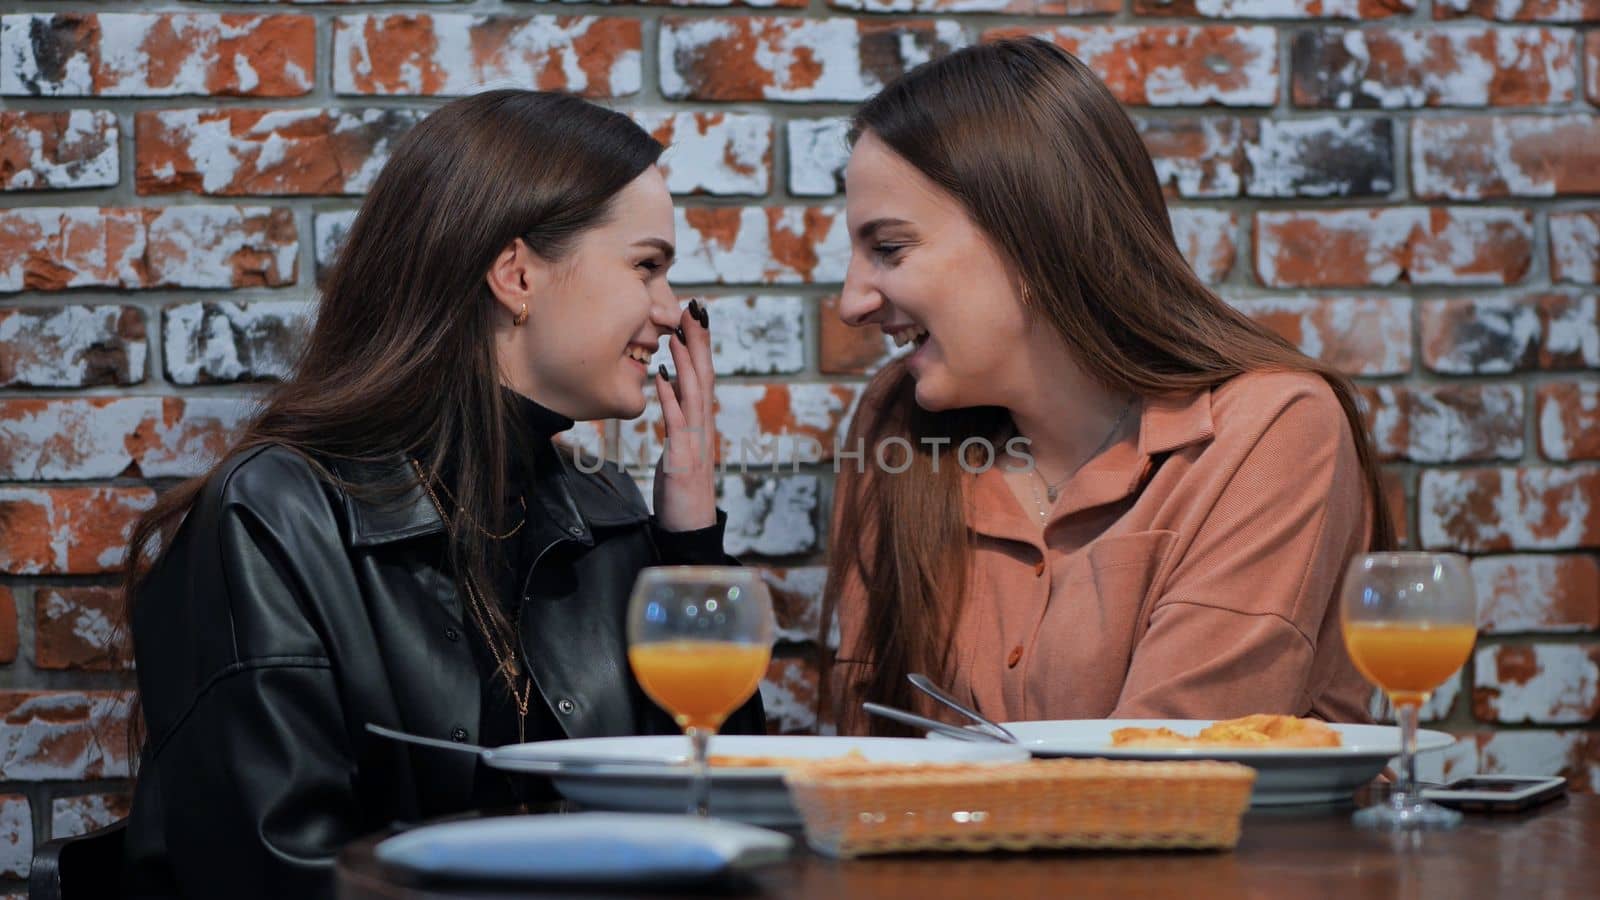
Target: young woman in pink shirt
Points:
(1124, 498)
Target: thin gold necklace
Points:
(427, 485)
(1053, 490)
(505, 657)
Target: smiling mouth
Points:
(916, 334)
(639, 355)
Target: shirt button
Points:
(452, 634)
(459, 735)
(574, 530)
(1038, 569)
(1014, 657)
(566, 706)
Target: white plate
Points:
(1283, 776)
(754, 795)
(583, 848)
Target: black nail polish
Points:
(662, 371)
(705, 317)
(679, 332)
(698, 311)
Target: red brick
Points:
(1173, 65)
(1575, 246)
(77, 628)
(807, 60)
(1495, 335)
(761, 245)
(769, 516)
(52, 249)
(57, 150)
(1551, 684)
(1456, 423)
(158, 55)
(1591, 64)
(68, 530)
(63, 735)
(1205, 236)
(1573, 754)
(9, 639)
(1225, 156)
(846, 350)
(1359, 335)
(457, 53)
(1520, 10)
(83, 813)
(1569, 420)
(71, 346)
(1522, 156)
(996, 7)
(1357, 247)
(16, 836)
(212, 343)
(235, 152)
(717, 153)
(107, 437)
(1394, 495)
(763, 427)
(1276, 9)
(789, 693)
(797, 603)
(1539, 593)
(1399, 68)
(1533, 508)
(762, 334)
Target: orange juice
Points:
(1408, 659)
(699, 682)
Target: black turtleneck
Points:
(530, 454)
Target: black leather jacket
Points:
(288, 613)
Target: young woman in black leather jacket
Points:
(396, 539)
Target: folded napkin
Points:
(584, 848)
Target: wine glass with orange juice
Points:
(699, 640)
(1410, 620)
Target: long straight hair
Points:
(400, 358)
(1049, 166)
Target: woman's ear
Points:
(514, 276)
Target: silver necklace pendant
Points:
(1050, 494)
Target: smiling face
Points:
(597, 315)
(922, 270)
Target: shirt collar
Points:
(1166, 423)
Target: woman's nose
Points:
(859, 300)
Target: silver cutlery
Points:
(916, 721)
(542, 763)
(925, 684)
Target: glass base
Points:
(1406, 813)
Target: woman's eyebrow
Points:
(866, 231)
(665, 247)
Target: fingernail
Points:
(698, 311)
(662, 371)
(679, 332)
(705, 316)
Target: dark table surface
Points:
(1550, 851)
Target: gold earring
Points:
(520, 317)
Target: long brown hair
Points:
(1049, 166)
(400, 358)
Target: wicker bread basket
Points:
(858, 808)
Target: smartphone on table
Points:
(1498, 793)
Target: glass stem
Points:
(1407, 713)
(700, 785)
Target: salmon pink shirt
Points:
(1190, 571)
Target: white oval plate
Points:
(652, 772)
(1283, 776)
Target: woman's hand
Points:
(685, 489)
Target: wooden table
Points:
(1552, 851)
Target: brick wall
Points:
(1405, 187)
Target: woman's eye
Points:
(650, 265)
(887, 250)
